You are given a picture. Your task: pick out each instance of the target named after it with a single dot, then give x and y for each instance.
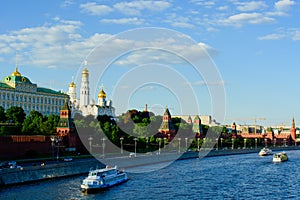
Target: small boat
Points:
(100, 179)
(280, 157)
(265, 152)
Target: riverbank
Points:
(82, 166)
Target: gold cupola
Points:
(16, 73)
(85, 72)
(72, 84)
(102, 94)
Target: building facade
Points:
(18, 90)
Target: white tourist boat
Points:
(100, 179)
(280, 157)
(265, 152)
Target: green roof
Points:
(21, 79)
(4, 85)
(49, 91)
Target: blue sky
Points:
(254, 45)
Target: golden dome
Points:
(85, 72)
(72, 84)
(16, 73)
(101, 94)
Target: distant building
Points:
(18, 90)
(83, 105)
(205, 119)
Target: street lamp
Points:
(159, 142)
(217, 145)
(274, 142)
(232, 143)
(52, 145)
(198, 139)
(103, 147)
(266, 142)
(245, 142)
(179, 139)
(58, 140)
(256, 143)
(90, 139)
(186, 139)
(222, 143)
(284, 140)
(121, 140)
(135, 143)
(147, 140)
(165, 141)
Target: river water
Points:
(245, 176)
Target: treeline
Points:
(14, 121)
(134, 126)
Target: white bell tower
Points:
(84, 89)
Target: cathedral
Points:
(83, 105)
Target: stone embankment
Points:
(36, 173)
(81, 166)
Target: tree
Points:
(32, 123)
(16, 115)
(49, 125)
(2, 114)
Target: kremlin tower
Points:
(166, 128)
(293, 130)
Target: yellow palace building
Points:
(18, 90)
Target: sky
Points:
(234, 60)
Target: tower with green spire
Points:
(65, 127)
(166, 128)
(197, 127)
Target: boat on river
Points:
(100, 179)
(280, 157)
(265, 152)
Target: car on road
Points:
(12, 163)
(67, 159)
(132, 155)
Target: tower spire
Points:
(293, 123)
(16, 61)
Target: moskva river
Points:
(228, 177)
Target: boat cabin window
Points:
(92, 174)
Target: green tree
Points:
(32, 123)
(2, 114)
(140, 129)
(49, 125)
(16, 115)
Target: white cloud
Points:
(178, 21)
(296, 35)
(66, 3)
(59, 45)
(176, 53)
(222, 8)
(273, 36)
(284, 5)
(204, 3)
(247, 18)
(135, 7)
(251, 6)
(134, 20)
(95, 9)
